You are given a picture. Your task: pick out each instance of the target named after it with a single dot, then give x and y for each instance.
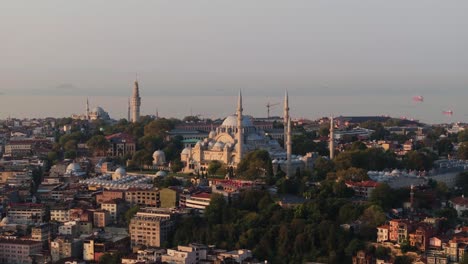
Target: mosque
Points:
(236, 137)
(97, 113)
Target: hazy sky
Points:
(312, 48)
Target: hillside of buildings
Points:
(355, 190)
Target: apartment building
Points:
(150, 230)
(143, 197)
(18, 251)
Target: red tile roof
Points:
(367, 184)
(460, 200)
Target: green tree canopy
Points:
(158, 127)
(255, 164)
(98, 144)
(463, 151)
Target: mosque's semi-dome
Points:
(231, 121)
(185, 151)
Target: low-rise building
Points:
(192, 253)
(41, 233)
(66, 247)
(197, 201)
(69, 229)
(18, 251)
(26, 213)
(169, 198)
(101, 218)
(143, 197)
(109, 195)
(114, 208)
(460, 204)
(60, 214)
(362, 189)
(149, 229)
(382, 233)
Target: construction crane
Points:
(268, 106)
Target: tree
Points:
(444, 146)
(214, 211)
(151, 143)
(462, 136)
(352, 174)
(463, 151)
(141, 158)
(176, 165)
(255, 164)
(128, 215)
(383, 196)
(415, 160)
(322, 167)
(403, 260)
(98, 144)
(462, 182)
(214, 166)
(158, 127)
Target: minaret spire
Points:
(128, 112)
(240, 132)
(285, 116)
(136, 102)
(288, 148)
(87, 109)
(332, 138)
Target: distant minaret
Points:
(240, 133)
(332, 138)
(136, 102)
(128, 111)
(288, 148)
(87, 109)
(412, 197)
(285, 117)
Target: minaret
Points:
(87, 109)
(240, 132)
(285, 117)
(332, 138)
(288, 148)
(412, 197)
(128, 111)
(136, 102)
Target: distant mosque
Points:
(98, 113)
(236, 137)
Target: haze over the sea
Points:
(365, 57)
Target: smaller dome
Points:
(161, 174)
(186, 151)
(395, 172)
(73, 167)
(218, 146)
(212, 134)
(120, 171)
(5, 221)
(159, 158)
(275, 161)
